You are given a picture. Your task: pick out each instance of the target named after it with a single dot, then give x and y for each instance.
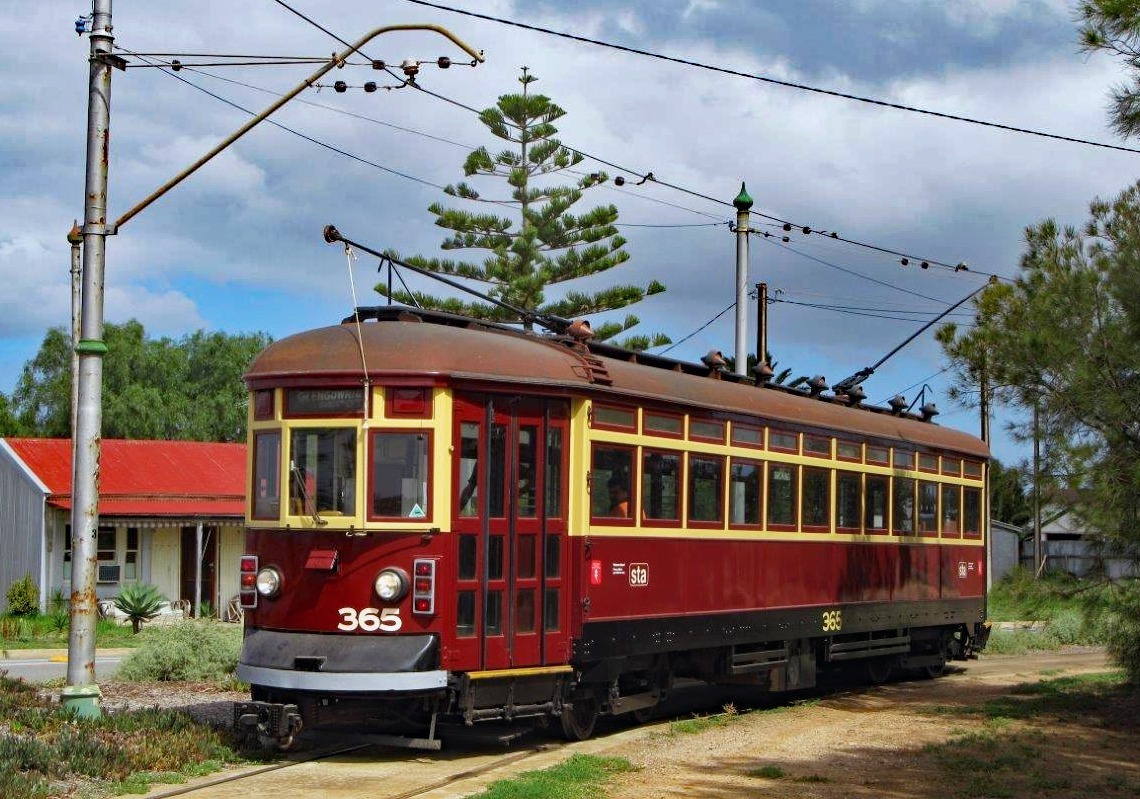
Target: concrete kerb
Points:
(56, 655)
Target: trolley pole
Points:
(81, 694)
(742, 202)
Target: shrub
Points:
(24, 597)
(141, 602)
(191, 650)
(1122, 631)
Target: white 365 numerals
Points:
(370, 620)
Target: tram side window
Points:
(660, 486)
(744, 492)
(903, 506)
(266, 475)
(323, 468)
(927, 508)
(400, 472)
(706, 488)
(611, 483)
(950, 510)
(972, 512)
(782, 495)
(848, 500)
(467, 476)
(554, 473)
(875, 513)
(817, 498)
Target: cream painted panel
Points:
(165, 560)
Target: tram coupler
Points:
(275, 725)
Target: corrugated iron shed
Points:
(146, 478)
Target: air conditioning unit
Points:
(108, 573)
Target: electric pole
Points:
(761, 323)
(81, 694)
(742, 202)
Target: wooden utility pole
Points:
(761, 323)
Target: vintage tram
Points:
(451, 518)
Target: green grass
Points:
(698, 724)
(1019, 597)
(46, 632)
(767, 772)
(580, 777)
(43, 745)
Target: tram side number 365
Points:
(370, 620)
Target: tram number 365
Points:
(832, 621)
(370, 620)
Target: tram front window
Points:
(323, 472)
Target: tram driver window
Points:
(611, 483)
(400, 471)
(323, 472)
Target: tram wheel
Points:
(879, 670)
(644, 715)
(579, 718)
(937, 670)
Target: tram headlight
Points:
(391, 584)
(268, 581)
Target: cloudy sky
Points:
(238, 246)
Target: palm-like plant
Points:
(140, 602)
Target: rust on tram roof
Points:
(454, 351)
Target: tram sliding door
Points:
(510, 522)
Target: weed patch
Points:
(580, 777)
(698, 724)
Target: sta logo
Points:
(370, 620)
(639, 575)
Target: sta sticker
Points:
(370, 620)
(639, 575)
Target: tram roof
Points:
(410, 345)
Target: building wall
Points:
(230, 548)
(1003, 551)
(21, 527)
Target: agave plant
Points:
(140, 602)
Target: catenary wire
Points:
(777, 81)
(676, 344)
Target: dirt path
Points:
(866, 742)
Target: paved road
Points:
(44, 668)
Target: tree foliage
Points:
(183, 389)
(8, 424)
(549, 245)
(1009, 500)
(1065, 337)
(1113, 26)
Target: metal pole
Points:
(742, 202)
(761, 323)
(75, 239)
(198, 572)
(81, 694)
(1036, 489)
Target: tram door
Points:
(511, 456)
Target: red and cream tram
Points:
(453, 519)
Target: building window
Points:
(401, 475)
(706, 488)
(660, 486)
(848, 501)
(266, 475)
(744, 492)
(782, 496)
(902, 516)
(875, 508)
(927, 508)
(611, 483)
(817, 499)
(323, 468)
(131, 556)
(108, 559)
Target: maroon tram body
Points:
(430, 534)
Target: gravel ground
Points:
(205, 702)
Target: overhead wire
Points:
(775, 81)
(676, 344)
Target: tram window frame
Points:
(399, 404)
(951, 467)
(274, 478)
(927, 463)
(757, 443)
(971, 527)
(876, 455)
(770, 497)
(793, 449)
(911, 492)
(946, 492)
(678, 489)
(927, 490)
(264, 404)
(848, 458)
(903, 459)
(710, 425)
(600, 486)
(648, 418)
(350, 481)
(817, 446)
(428, 483)
(884, 482)
(358, 412)
(599, 408)
(818, 512)
(733, 499)
(842, 475)
(972, 469)
(691, 503)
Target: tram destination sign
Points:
(324, 401)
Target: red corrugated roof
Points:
(146, 478)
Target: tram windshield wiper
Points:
(306, 500)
